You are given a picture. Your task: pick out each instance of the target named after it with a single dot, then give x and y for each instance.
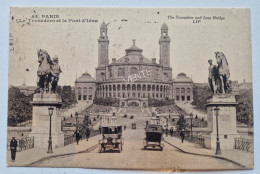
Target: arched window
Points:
(123, 87)
(90, 89)
(182, 90)
(157, 88)
(128, 87)
(114, 87)
(133, 87)
(188, 90)
(148, 87)
(133, 70)
(144, 88)
(85, 90)
(79, 90)
(120, 72)
(118, 87)
(177, 90)
(138, 87)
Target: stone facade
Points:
(182, 88)
(133, 76)
(85, 87)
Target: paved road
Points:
(134, 157)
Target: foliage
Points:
(106, 101)
(181, 123)
(157, 103)
(245, 106)
(19, 107)
(200, 96)
(68, 96)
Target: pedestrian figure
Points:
(99, 128)
(182, 134)
(124, 127)
(166, 132)
(87, 133)
(13, 146)
(171, 131)
(78, 136)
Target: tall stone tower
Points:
(164, 46)
(103, 43)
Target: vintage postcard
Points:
(130, 88)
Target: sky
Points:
(75, 43)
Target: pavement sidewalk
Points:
(27, 157)
(246, 159)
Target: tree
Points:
(106, 101)
(245, 106)
(181, 123)
(200, 96)
(19, 107)
(68, 96)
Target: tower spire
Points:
(164, 42)
(103, 44)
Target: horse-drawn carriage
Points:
(154, 134)
(111, 135)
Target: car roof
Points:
(111, 125)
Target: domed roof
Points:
(86, 77)
(164, 26)
(134, 55)
(133, 49)
(182, 78)
(133, 59)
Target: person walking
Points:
(78, 136)
(13, 146)
(166, 132)
(87, 133)
(171, 131)
(182, 134)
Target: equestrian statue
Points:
(219, 74)
(48, 72)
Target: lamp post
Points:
(50, 109)
(191, 134)
(218, 151)
(76, 115)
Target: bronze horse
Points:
(222, 72)
(44, 71)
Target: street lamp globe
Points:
(50, 111)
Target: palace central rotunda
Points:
(134, 78)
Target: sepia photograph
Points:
(165, 89)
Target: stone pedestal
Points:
(226, 121)
(41, 120)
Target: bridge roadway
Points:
(134, 157)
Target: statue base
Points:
(41, 120)
(227, 129)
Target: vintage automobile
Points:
(154, 135)
(111, 136)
